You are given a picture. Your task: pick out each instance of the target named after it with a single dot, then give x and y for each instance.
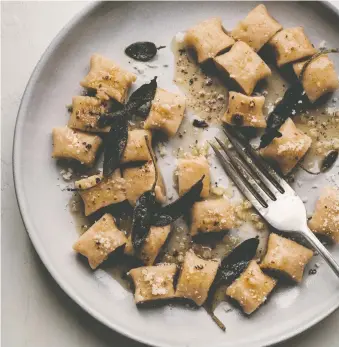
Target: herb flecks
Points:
(171, 212)
(142, 51)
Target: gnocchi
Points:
(244, 66)
(108, 79)
(325, 219)
(212, 216)
(190, 171)
(196, 277)
(76, 145)
(257, 28)
(136, 147)
(252, 288)
(288, 149)
(291, 45)
(208, 38)
(98, 192)
(320, 77)
(286, 256)
(153, 282)
(140, 179)
(245, 110)
(86, 111)
(167, 112)
(100, 240)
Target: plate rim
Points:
(58, 278)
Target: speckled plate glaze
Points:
(108, 28)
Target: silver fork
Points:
(270, 194)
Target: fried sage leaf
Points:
(171, 212)
(329, 160)
(141, 99)
(143, 211)
(230, 269)
(236, 262)
(115, 144)
(200, 123)
(290, 103)
(288, 106)
(326, 163)
(142, 51)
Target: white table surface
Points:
(35, 311)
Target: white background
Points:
(35, 311)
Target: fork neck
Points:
(317, 245)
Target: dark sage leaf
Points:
(286, 107)
(115, 144)
(326, 163)
(143, 211)
(140, 99)
(230, 269)
(329, 161)
(200, 123)
(236, 262)
(142, 51)
(171, 212)
(289, 105)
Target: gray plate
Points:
(107, 28)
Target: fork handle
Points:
(313, 240)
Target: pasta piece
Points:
(153, 243)
(286, 256)
(244, 66)
(245, 110)
(212, 216)
(105, 192)
(291, 45)
(196, 277)
(101, 239)
(153, 282)
(208, 38)
(319, 78)
(257, 28)
(86, 111)
(190, 171)
(140, 179)
(166, 113)
(74, 144)
(325, 219)
(108, 79)
(136, 147)
(252, 288)
(288, 149)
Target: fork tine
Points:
(236, 161)
(237, 177)
(256, 163)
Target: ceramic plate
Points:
(108, 28)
